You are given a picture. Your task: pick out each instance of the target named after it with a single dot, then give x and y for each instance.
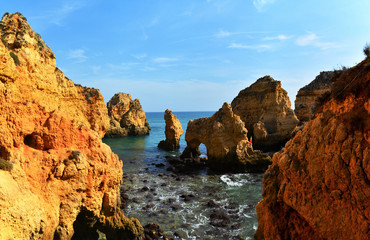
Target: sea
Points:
(184, 205)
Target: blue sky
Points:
(193, 55)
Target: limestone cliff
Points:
(309, 94)
(127, 118)
(265, 101)
(318, 186)
(173, 132)
(225, 138)
(64, 182)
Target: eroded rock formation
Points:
(318, 186)
(173, 132)
(309, 94)
(225, 138)
(267, 103)
(127, 118)
(65, 181)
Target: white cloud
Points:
(123, 66)
(164, 60)
(280, 37)
(222, 34)
(260, 4)
(77, 54)
(311, 39)
(139, 56)
(259, 47)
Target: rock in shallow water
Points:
(226, 140)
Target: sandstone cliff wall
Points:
(318, 186)
(50, 131)
(265, 105)
(309, 94)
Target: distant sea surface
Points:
(157, 195)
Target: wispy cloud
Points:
(77, 54)
(222, 34)
(259, 47)
(123, 66)
(139, 56)
(260, 4)
(164, 60)
(57, 16)
(311, 39)
(280, 37)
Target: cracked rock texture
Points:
(318, 186)
(65, 182)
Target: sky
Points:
(194, 55)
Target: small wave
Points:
(233, 181)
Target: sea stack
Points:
(318, 186)
(173, 132)
(265, 105)
(127, 118)
(63, 181)
(228, 147)
(309, 94)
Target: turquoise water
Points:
(157, 195)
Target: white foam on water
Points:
(255, 226)
(229, 182)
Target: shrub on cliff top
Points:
(367, 50)
(5, 165)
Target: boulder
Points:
(225, 137)
(64, 181)
(127, 118)
(265, 101)
(309, 94)
(173, 132)
(318, 186)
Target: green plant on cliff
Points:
(15, 58)
(367, 50)
(5, 165)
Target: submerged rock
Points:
(127, 118)
(309, 94)
(318, 186)
(173, 132)
(65, 182)
(266, 104)
(225, 137)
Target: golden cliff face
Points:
(264, 107)
(318, 186)
(50, 131)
